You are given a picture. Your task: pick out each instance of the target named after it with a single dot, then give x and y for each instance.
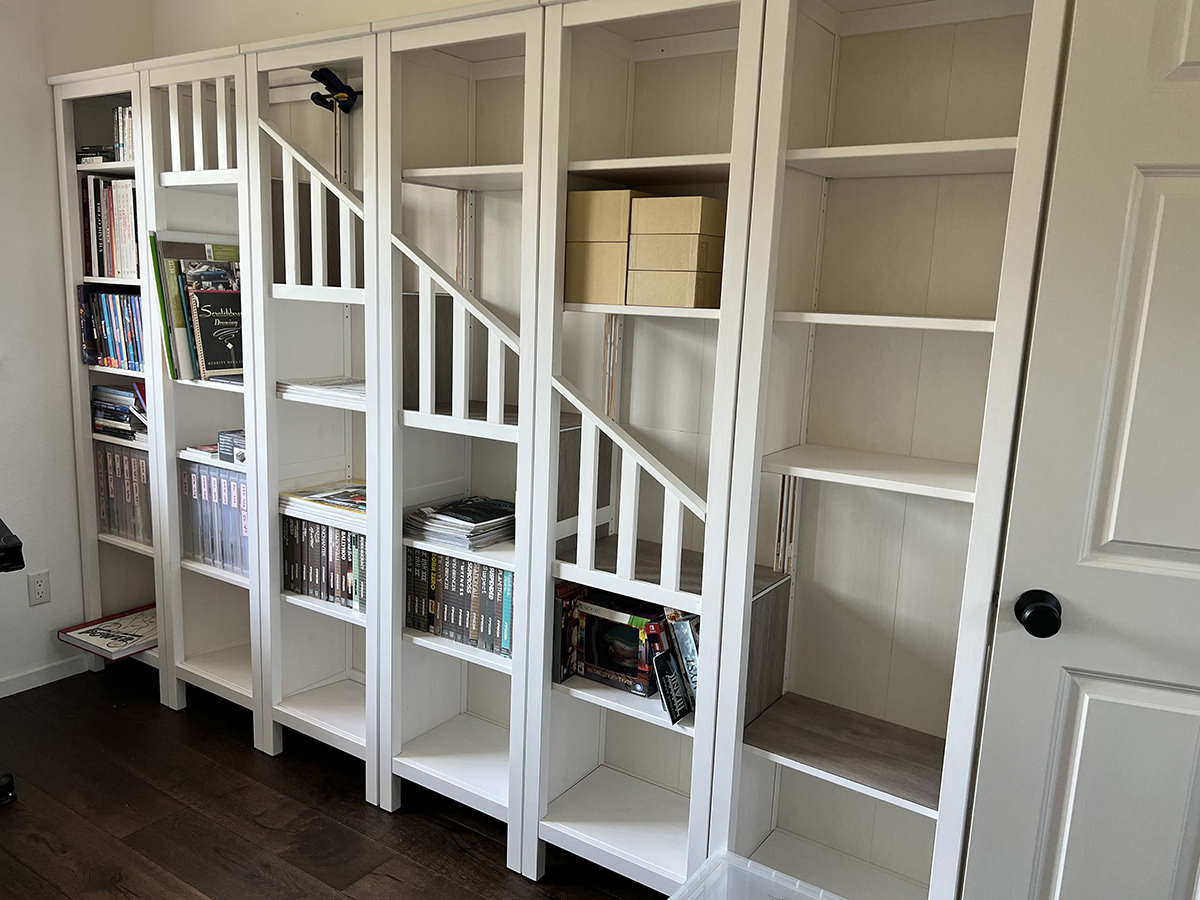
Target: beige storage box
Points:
(676, 252)
(677, 215)
(595, 272)
(687, 290)
(599, 215)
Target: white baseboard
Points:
(23, 681)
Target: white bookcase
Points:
(898, 183)
(817, 468)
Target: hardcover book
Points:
(117, 636)
(214, 306)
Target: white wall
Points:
(37, 492)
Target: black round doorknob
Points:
(1039, 613)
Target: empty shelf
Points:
(885, 471)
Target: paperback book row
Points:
(109, 227)
(629, 645)
(324, 562)
(200, 303)
(467, 602)
(120, 412)
(123, 492)
(214, 517)
(471, 523)
(120, 150)
(110, 329)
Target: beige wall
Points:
(90, 34)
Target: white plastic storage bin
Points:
(728, 876)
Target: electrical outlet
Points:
(39, 588)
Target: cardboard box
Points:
(687, 290)
(678, 215)
(599, 215)
(595, 272)
(676, 252)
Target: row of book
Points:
(109, 227)
(123, 492)
(468, 524)
(110, 329)
(214, 521)
(200, 302)
(324, 562)
(628, 644)
(468, 602)
(119, 411)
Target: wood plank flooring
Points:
(119, 797)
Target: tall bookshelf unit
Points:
(458, 232)
(119, 573)
(194, 153)
(312, 251)
(817, 468)
(900, 170)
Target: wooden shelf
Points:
(870, 756)
(226, 673)
(215, 572)
(628, 825)
(465, 759)
(335, 714)
(645, 709)
(222, 181)
(501, 556)
(208, 384)
(126, 544)
(975, 156)
(647, 562)
(112, 370)
(867, 320)
(124, 167)
(325, 608)
(468, 178)
(122, 282)
(465, 652)
(315, 294)
(841, 874)
(885, 471)
(204, 459)
(120, 442)
(700, 168)
(670, 312)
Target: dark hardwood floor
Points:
(120, 797)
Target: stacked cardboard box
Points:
(597, 261)
(675, 249)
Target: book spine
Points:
(475, 631)
(506, 624)
(243, 489)
(429, 569)
(101, 491)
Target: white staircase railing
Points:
(201, 122)
(636, 460)
(323, 188)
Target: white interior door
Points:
(1088, 775)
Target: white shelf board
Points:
(833, 871)
(633, 827)
(465, 759)
(226, 673)
(323, 514)
(149, 657)
(963, 157)
(123, 282)
(113, 370)
(465, 652)
(316, 396)
(885, 471)
(500, 556)
(210, 385)
(335, 714)
(866, 320)
(124, 167)
(120, 442)
(315, 294)
(224, 181)
(646, 709)
(325, 608)
(126, 544)
(699, 168)
(215, 572)
(671, 312)
(198, 456)
(493, 431)
(468, 178)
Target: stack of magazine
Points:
(468, 524)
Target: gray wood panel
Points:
(768, 649)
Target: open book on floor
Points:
(115, 636)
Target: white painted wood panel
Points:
(599, 82)
(812, 79)
(952, 388)
(677, 105)
(498, 120)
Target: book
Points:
(214, 311)
(172, 251)
(115, 636)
